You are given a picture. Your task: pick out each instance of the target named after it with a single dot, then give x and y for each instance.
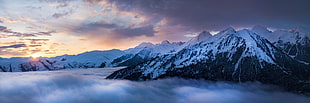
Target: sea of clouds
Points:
(89, 86)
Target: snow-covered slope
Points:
(294, 42)
(264, 32)
(163, 48)
(146, 51)
(201, 37)
(12, 64)
(230, 55)
(93, 59)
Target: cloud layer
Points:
(81, 86)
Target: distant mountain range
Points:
(280, 57)
(92, 59)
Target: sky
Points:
(57, 27)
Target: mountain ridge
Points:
(148, 51)
(230, 56)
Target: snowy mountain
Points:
(12, 64)
(146, 51)
(229, 55)
(93, 59)
(201, 36)
(294, 42)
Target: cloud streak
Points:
(9, 50)
(13, 46)
(9, 33)
(59, 15)
(80, 86)
(9, 20)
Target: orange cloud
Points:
(9, 20)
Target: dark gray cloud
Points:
(221, 13)
(13, 46)
(47, 33)
(1, 21)
(87, 87)
(94, 26)
(13, 33)
(132, 32)
(59, 15)
(113, 29)
(3, 28)
(9, 33)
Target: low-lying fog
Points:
(89, 86)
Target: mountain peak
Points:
(245, 33)
(145, 44)
(228, 30)
(165, 42)
(203, 35)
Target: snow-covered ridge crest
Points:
(294, 42)
(228, 41)
(92, 59)
(229, 55)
